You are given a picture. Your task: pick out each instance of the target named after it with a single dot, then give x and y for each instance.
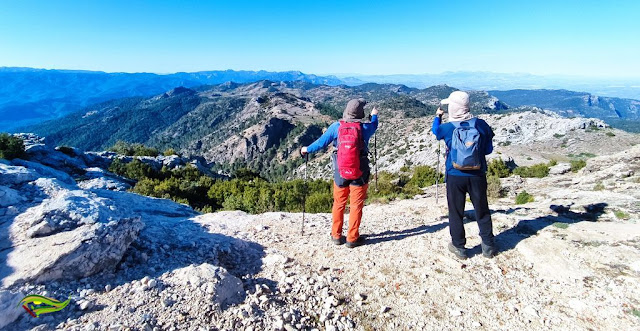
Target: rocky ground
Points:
(568, 260)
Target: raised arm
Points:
(436, 122)
(323, 141)
(370, 128)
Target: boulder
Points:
(225, 287)
(48, 156)
(151, 161)
(560, 169)
(9, 196)
(44, 171)
(100, 179)
(104, 184)
(71, 254)
(99, 160)
(12, 175)
(72, 233)
(171, 162)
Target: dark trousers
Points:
(457, 189)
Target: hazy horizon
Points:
(338, 74)
(544, 38)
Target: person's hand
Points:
(374, 111)
(303, 150)
(439, 112)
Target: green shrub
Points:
(205, 210)
(621, 215)
(245, 174)
(592, 127)
(11, 147)
(141, 150)
(494, 187)
(610, 134)
(387, 185)
(577, 165)
(124, 148)
(539, 170)
(524, 197)
(557, 135)
(498, 168)
(319, 203)
(397, 186)
(553, 162)
(561, 225)
(169, 152)
(135, 169)
(424, 176)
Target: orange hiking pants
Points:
(358, 195)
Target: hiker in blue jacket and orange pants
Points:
(476, 137)
(353, 187)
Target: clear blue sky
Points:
(589, 38)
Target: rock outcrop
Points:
(129, 261)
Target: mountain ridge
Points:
(30, 96)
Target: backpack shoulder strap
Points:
(455, 124)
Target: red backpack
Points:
(350, 143)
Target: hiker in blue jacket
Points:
(462, 179)
(353, 189)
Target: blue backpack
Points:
(465, 146)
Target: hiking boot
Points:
(356, 243)
(460, 253)
(338, 241)
(488, 251)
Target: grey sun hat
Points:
(354, 112)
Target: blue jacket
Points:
(445, 131)
(331, 135)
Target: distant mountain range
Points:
(478, 80)
(31, 96)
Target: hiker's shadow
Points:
(509, 239)
(401, 234)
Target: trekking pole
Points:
(438, 172)
(375, 158)
(438, 164)
(304, 196)
(375, 155)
